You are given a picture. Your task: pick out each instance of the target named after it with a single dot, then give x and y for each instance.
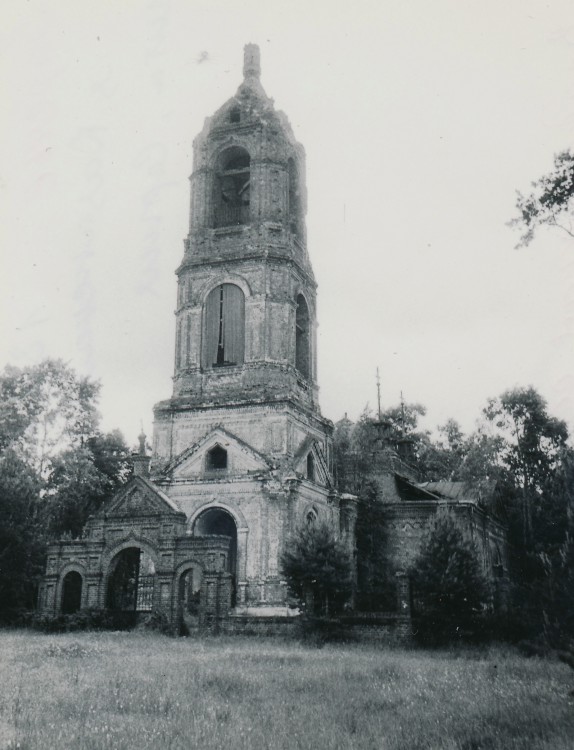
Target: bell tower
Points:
(246, 314)
(246, 306)
(242, 432)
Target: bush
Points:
(84, 619)
(157, 622)
(317, 568)
(450, 593)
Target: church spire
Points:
(251, 62)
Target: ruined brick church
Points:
(241, 453)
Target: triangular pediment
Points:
(316, 465)
(139, 497)
(196, 462)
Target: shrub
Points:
(451, 594)
(157, 621)
(84, 619)
(317, 568)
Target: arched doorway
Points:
(131, 581)
(218, 522)
(189, 598)
(71, 593)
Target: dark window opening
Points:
(311, 517)
(233, 188)
(216, 459)
(302, 338)
(72, 593)
(311, 467)
(224, 327)
(235, 115)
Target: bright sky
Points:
(420, 120)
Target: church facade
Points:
(241, 454)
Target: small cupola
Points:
(252, 70)
(140, 460)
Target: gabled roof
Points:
(252, 460)
(138, 497)
(476, 492)
(410, 491)
(310, 445)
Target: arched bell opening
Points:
(295, 203)
(131, 581)
(303, 338)
(71, 593)
(218, 522)
(232, 188)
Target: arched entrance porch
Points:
(219, 522)
(131, 583)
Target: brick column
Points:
(215, 596)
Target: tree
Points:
(441, 457)
(376, 582)
(56, 469)
(82, 479)
(111, 456)
(22, 537)
(317, 567)
(356, 444)
(45, 409)
(76, 488)
(449, 587)
(550, 203)
(556, 596)
(531, 443)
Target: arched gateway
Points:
(131, 581)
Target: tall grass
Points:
(103, 690)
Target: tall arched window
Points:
(232, 188)
(224, 327)
(302, 338)
(295, 211)
(310, 467)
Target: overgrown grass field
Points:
(129, 690)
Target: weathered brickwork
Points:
(241, 453)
